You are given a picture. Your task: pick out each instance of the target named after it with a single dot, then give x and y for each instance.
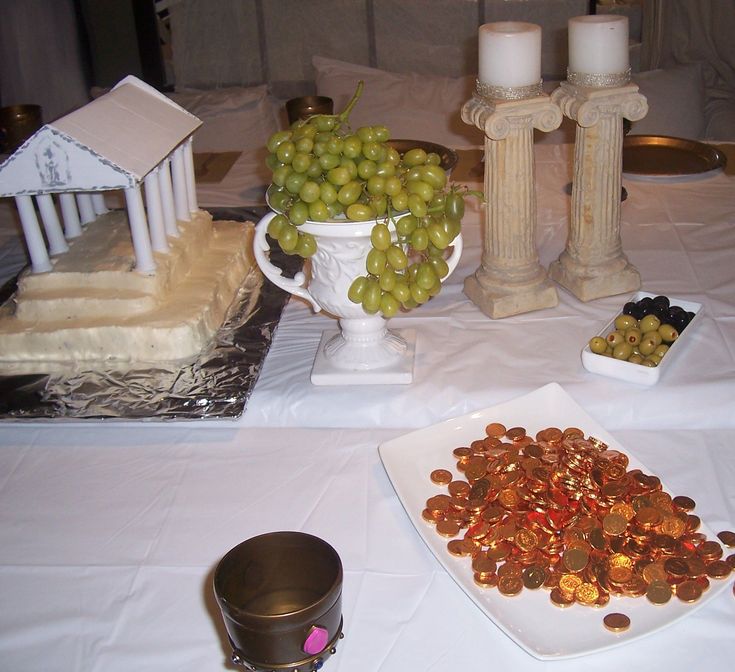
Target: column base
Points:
(595, 282)
(496, 300)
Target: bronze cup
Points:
(281, 600)
(17, 124)
(306, 106)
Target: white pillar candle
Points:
(598, 44)
(191, 186)
(40, 262)
(52, 225)
(167, 199)
(144, 262)
(181, 200)
(510, 54)
(86, 208)
(70, 215)
(155, 213)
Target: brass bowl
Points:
(448, 156)
(306, 106)
(280, 595)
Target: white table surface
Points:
(109, 533)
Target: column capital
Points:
(586, 105)
(496, 117)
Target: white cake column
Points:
(86, 208)
(191, 187)
(181, 200)
(40, 262)
(144, 262)
(155, 213)
(593, 264)
(98, 203)
(510, 279)
(167, 198)
(52, 225)
(70, 215)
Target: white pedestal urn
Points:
(363, 350)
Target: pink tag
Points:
(316, 641)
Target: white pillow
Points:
(415, 107)
(235, 118)
(675, 102)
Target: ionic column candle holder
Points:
(597, 95)
(510, 280)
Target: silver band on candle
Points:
(598, 80)
(508, 92)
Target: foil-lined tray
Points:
(215, 384)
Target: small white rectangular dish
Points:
(529, 619)
(637, 373)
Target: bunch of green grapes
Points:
(322, 170)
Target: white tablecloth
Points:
(109, 534)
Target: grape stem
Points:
(344, 115)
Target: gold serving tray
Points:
(661, 156)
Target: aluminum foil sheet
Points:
(216, 384)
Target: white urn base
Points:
(340, 361)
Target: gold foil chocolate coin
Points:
(658, 592)
(441, 476)
(689, 591)
(616, 622)
(510, 584)
(727, 537)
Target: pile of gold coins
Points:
(562, 511)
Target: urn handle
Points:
(295, 285)
(453, 259)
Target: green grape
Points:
(371, 296)
(318, 211)
(295, 181)
(419, 239)
(401, 292)
(380, 205)
(380, 237)
(298, 213)
(304, 145)
(422, 189)
(349, 193)
(335, 145)
(386, 169)
(338, 176)
(320, 149)
(417, 205)
(277, 139)
(415, 157)
(359, 212)
(435, 288)
(433, 159)
(388, 279)
(288, 238)
(439, 201)
(279, 200)
(304, 131)
(325, 122)
(400, 201)
(272, 161)
(389, 306)
(357, 289)
(373, 151)
(375, 262)
(350, 165)
(352, 146)
(419, 294)
(396, 257)
(314, 171)
(406, 225)
(376, 185)
(392, 156)
(382, 134)
(327, 193)
(280, 174)
(306, 245)
(328, 161)
(434, 176)
(366, 134)
(440, 266)
(425, 275)
(276, 225)
(309, 191)
(437, 236)
(367, 168)
(286, 151)
(454, 207)
(336, 209)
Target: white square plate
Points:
(529, 619)
(637, 373)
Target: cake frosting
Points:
(93, 306)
